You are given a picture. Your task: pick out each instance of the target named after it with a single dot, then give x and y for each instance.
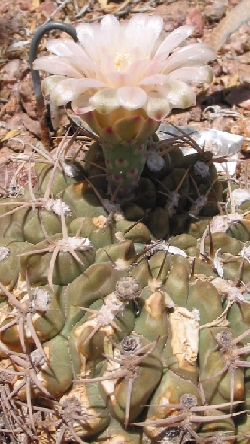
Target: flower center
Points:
(119, 60)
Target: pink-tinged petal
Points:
(56, 65)
(192, 74)
(157, 106)
(153, 24)
(105, 101)
(110, 25)
(172, 41)
(81, 105)
(131, 97)
(65, 48)
(180, 95)
(194, 54)
(156, 79)
(106, 61)
(50, 82)
(85, 31)
(74, 54)
(117, 79)
(88, 36)
(84, 65)
(68, 89)
(144, 41)
(137, 70)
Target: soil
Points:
(223, 105)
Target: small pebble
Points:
(216, 10)
(195, 18)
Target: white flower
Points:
(122, 73)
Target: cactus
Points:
(124, 321)
(111, 334)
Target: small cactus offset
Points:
(124, 316)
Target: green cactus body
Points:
(232, 267)
(127, 406)
(218, 428)
(203, 268)
(242, 430)
(124, 302)
(159, 265)
(10, 262)
(48, 323)
(37, 260)
(154, 316)
(239, 318)
(122, 254)
(240, 231)
(159, 223)
(46, 315)
(183, 241)
(56, 372)
(133, 212)
(38, 221)
(224, 243)
(204, 297)
(90, 337)
(11, 222)
(82, 200)
(62, 178)
(116, 434)
(177, 284)
(135, 232)
(215, 377)
(96, 229)
(165, 404)
(95, 283)
(92, 414)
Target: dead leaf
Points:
(35, 4)
(12, 133)
(32, 125)
(103, 3)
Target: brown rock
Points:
(239, 96)
(236, 44)
(244, 74)
(216, 69)
(27, 96)
(180, 118)
(245, 58)
(230, 66)
(216, 10)
(32, 125)
(13, 106)
(196, 113)
(195, 18)
(25, 6)
(48, 7)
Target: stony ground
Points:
(224, 105)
